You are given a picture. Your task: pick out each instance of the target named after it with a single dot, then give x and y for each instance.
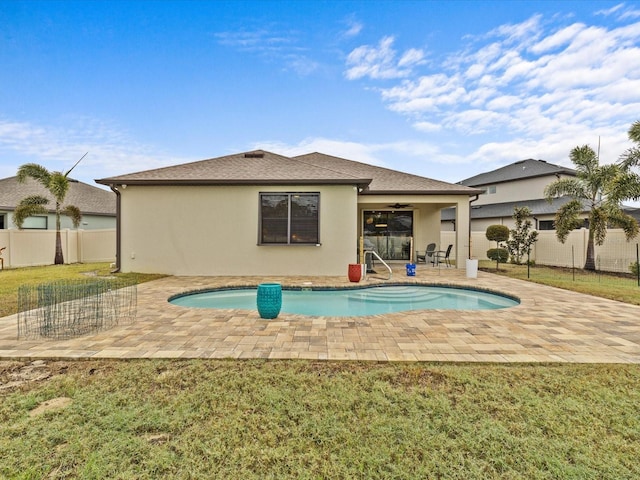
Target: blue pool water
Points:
(354, 302)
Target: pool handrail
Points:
(372, 253)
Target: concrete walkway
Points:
(550, 325)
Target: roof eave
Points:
(467, 191)
(359, 182)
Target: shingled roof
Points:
(385, 180)
(260, 167)
(517, 171)
(89, 199)
(497, 210)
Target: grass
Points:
(11, 279)
(301, 419)
(623, 288)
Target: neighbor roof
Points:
(260, 167)
(516, 171)
(89, 199)
(498, 210)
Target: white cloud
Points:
(380, 62)
(523, 86)
(353, 28)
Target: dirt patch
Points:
(15, 374)
(53, 404)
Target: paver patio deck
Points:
(550, 325)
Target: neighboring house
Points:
(259, 213)
(98, 206)
(519, 184)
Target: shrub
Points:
(497, 233)
(499, 255)
(634, 268)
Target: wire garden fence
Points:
(610, 269)
(66, 309)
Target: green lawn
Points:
(300, 419)
(623, 288)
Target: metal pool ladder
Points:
(372, 253)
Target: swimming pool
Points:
(353, 302)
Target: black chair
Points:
(443, 255)
(428, 254)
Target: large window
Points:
(289, 218)
(36, 223)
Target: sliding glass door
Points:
(388, 233)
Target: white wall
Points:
(213, 230)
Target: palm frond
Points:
(571, 187)
(625, 222)
(73, 213)
(585, 159)
(567, 219)
(35, 171)
(630, 158)
(634, 132)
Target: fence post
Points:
(638, 265)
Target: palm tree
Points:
(597, 188)
(629, 159)
(57, 183)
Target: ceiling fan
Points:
(400, 205)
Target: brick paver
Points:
(550, 325)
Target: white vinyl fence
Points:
(615, 255)
(26, 248)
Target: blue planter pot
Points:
(269, 300)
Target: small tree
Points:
(498, 233)
(57, 183)
(522, 238)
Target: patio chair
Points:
(2, 259)
(427, 256)
(443, 255)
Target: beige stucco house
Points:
(260, 213)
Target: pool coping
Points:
(549, 325)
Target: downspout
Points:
(118, 223)
(470, 202)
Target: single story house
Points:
(98, 206)
(260, 213)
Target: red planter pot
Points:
(355, 272)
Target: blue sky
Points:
(440, 89)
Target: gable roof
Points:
(385, 180)
(260, 167)
(517, 171)
(89, 199)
